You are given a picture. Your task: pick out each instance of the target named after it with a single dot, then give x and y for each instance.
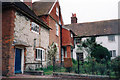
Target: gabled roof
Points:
(23, 8)
(99, 28)
(42, 8)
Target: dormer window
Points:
(35, 27)
(57, 11)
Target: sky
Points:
(89, 10)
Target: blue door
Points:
(18, 60)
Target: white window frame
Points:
(39, 53)
(57, 29)
(111, 38)
(113, 53)
(57, 11)
(34, 25)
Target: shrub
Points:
(101, 54)
(115, 65)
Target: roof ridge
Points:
(93, 22)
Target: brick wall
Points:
(7, 40)
(52, 24)
(66, 38)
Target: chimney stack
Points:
(28, 3)
(73, 18)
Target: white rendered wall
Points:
(103, 40)
(110, 45)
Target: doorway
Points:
(19, 60)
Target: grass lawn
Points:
(49, 70)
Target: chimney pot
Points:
(73, 18)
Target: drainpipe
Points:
(61, 42)
(60, 33)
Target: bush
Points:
(115, 65)
(101, 53)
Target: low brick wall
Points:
(82, 76)
(33, 72)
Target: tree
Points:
(95, 50)
(52, 50)
(101, 54)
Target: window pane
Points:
(114, 53)
(35, 27)
(43, 55)
(111, 53)
(39, 54)
(111, 38)
(57, 11)
(56, 29)
(36, 53)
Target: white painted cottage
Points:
(107, 34)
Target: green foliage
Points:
(89, 44)
(115, 65)
(111, 68)
(101, 54)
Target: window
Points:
(113, 53)
(34, 43)
(111, 38)
(78, 40)
(57, 29)
(57, 55)
(59, 22)
(40, 54)
(57, 11)
(35, 27)
(71, 35)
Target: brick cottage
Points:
(24, 38)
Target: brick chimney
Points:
(28, 3)
(73, 18)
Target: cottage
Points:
(25, 39)
(106, 33)
(50, 13)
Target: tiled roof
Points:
(95, 28)
(42, 8)
(24, 8)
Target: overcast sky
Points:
(89, 10)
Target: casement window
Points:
(35, 27)
(40, 54)
(113, 53)
(57, 29)
(111, 38)
(57, 11)
(78, 40)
